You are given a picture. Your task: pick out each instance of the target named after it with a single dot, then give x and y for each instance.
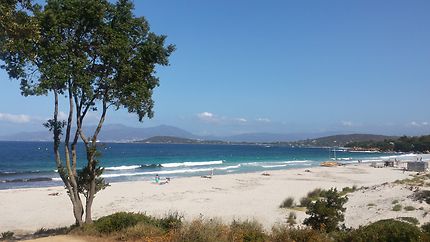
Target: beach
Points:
(227, 197)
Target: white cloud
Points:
(207, 117)
(418, 124)
(241, 120)
(347, 123)
(413, 123)
(15, 118)
(264, 120)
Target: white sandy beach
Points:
(234, 196)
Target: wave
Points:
(120, 168)
(197, 163)
(156, 172)
(34, 179)
(274, 166)
(294, 161)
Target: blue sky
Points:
(277, 66)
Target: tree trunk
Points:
(66, 174)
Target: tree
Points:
(97, 55)
(327, 211)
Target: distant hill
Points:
(341, 140)
(177, 140)
(110, 133)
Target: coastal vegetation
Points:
(401, 144)
(96, 55)
(141, 227)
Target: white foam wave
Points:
(228, 167)
(120, 168)
(56, 179)
(295, 161)
(157, 172)
(274, 166)
(188, 164)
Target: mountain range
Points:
(122, 133)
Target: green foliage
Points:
(121, 221)
(426, 228)
(397, 207)
(347, 190)
(286, 233)
(402, 144)
(395, 201)
(287, 203)
(387, 230)
(409, 208)
(201, 230)
(7, 235)
(327, 212)
(311, 196)
(411, 220)
(371, 205)
(247, 231)
(422, 195)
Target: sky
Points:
(276, 66)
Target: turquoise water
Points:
(31, 164)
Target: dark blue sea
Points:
(31, 164)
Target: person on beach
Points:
(157, 178)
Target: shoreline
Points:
(232, 196)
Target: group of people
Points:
(158, 180)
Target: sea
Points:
(32, 164)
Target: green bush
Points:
(387, 230)
(287, 203)
(423, 195)
(327, 212)
(282, 233)
(247, 231)
(426, 228)
(305, 201)
(7, 235)
(201, 230)
(397, 207)
(395, 201)
(411, 220)
(119, 221)
(409, 208)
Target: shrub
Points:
(395, 201)
(426, 228)
(327, 212)
(347, 190)
(397, 207)
(170, 221)
(247, 231)
(388, 230)
(287, 203)
(316, 193)
(305, 201)
(141, 231)
(119, 221)
(423, 195)
(411, 220)
(201, 230)
(286, 233)
(291, 220)
(7, 235)
(409, 208)
(371, 205)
